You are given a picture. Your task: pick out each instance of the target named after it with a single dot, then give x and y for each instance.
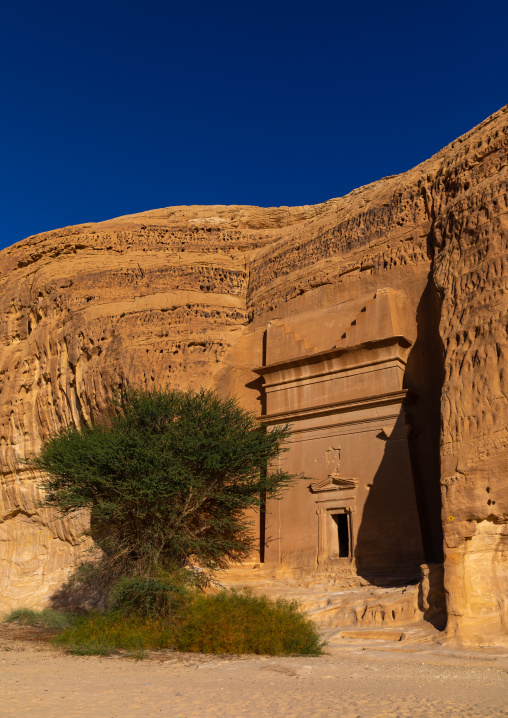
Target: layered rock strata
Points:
(182, 297)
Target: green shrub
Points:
(231, 622)
(102, 634)
(47, 618)
(145, 597)
(238, 622)
(95, 648)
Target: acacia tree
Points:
(166, 475)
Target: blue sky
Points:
(111, 108)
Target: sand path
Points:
(351, 681)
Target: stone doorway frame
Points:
(335, 495)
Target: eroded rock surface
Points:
(182, 296)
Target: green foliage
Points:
(166, 475)
(145, 597)
(238, 622)
(228, 623)
(109, 632)
(47, 618)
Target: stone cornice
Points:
(332, 353)
(394, 397)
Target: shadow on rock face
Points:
(432, 597)
(424, 377)
(80, 596)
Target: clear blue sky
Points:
(114, 107)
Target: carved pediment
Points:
(334, 482)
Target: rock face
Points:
(183, 296)
(469, 202)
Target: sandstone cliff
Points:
(181, 297)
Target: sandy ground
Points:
(355, 679)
